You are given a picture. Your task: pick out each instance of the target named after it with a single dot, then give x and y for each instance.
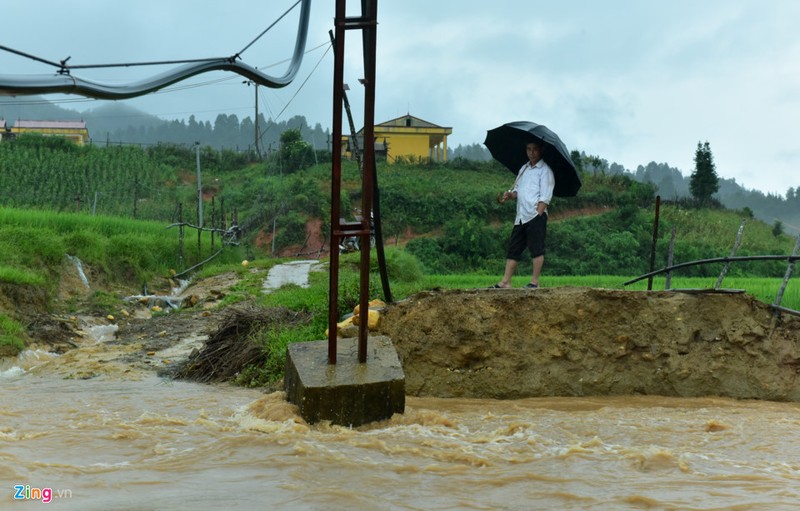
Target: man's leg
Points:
(536, 237)
(516, 245)
(538, 262)
(511, 267)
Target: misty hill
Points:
(36, 108)
(106, 117)
(121, 124)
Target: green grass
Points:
(126, 250)
(719, 228)
(34, 245)
(12, 334)
(21, 276)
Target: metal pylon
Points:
(366, 23)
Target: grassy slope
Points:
(120, 253)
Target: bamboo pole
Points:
(787, 276)
(736, 244)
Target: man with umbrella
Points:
(546, 171)
(533, 191)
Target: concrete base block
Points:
(348, 393)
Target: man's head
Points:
(535, 151)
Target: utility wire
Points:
(67, 69)
(266, 30)
(304, 82)
(228, 78)
(64, 68)
(32, 57)
(161, 91)
(261, 135)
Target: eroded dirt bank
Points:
(581, 341)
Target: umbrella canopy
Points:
(507, 145)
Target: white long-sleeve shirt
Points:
(534, 185)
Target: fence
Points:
(791, 260)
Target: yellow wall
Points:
(79, 136)
(417, 143)
(408, 146)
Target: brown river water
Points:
(147, 443)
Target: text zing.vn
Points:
(46, 495)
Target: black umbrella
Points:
(507, 145)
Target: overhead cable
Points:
(66, 83)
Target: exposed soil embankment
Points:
(483, 343)
(580, 341)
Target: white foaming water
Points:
(79, 268)
(102, 333)
(180, 288)
(12, 372)
(12, 367)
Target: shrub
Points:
(11, 336)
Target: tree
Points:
(704, 181)
(295, 153)
(777, 228)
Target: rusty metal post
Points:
(367, 23)
(336, 178)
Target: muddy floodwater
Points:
(95, 428)
(152, 444)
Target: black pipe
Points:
(714, 260)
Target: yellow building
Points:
(407, 138)
(71, 130)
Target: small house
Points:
(405, 138)
(74, 131)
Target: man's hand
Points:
(508, 195)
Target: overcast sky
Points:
(632, 81)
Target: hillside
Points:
(446, 216)
(91, 240)
(120, 124)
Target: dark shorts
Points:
(529, 235)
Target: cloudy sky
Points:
(631, 81)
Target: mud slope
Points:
(582, 341)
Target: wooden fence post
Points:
(670, 256)
(733, 253)
(180, 235)
(653, 246)
(787, 276)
